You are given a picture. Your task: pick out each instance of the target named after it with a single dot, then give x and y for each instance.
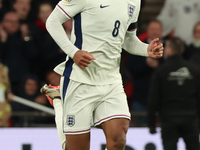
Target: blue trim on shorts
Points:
(65, 85)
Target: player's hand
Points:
(83, 58)
(155, 49)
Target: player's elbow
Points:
(48, 23)
(51, 22)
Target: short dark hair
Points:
(176, 44)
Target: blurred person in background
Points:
(194, 49)
(24, 11)
(179, 18)
(175, 95)
(29, 89)
(50, 53)
(16, 49)
(5, 90)
(141, 69)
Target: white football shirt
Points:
(99, 27)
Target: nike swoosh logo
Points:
(101, 6)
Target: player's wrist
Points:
(73, 52)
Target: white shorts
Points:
(86, 105)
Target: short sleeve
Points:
(72, 7)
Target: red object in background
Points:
(143, 36)
(41, 25)
(128, 88)
(10, 123)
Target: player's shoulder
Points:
(72, 2)
(137, 2)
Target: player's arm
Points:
(56, 30)
(134, 46)
(63, 12)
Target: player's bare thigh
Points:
(78, 142)
(115, 131)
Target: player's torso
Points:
(100, 29)
(104, 22)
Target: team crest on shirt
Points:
(70, 120)
(131, 9)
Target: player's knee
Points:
(119, 142)
(120, 138)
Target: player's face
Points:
(154, 30)
(197, 32)
(44, 12)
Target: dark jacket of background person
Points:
(175, 95)
(15, 51)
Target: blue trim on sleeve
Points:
(78, 44)
(78, 31)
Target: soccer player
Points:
(91, 85)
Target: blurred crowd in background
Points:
(28, 54)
